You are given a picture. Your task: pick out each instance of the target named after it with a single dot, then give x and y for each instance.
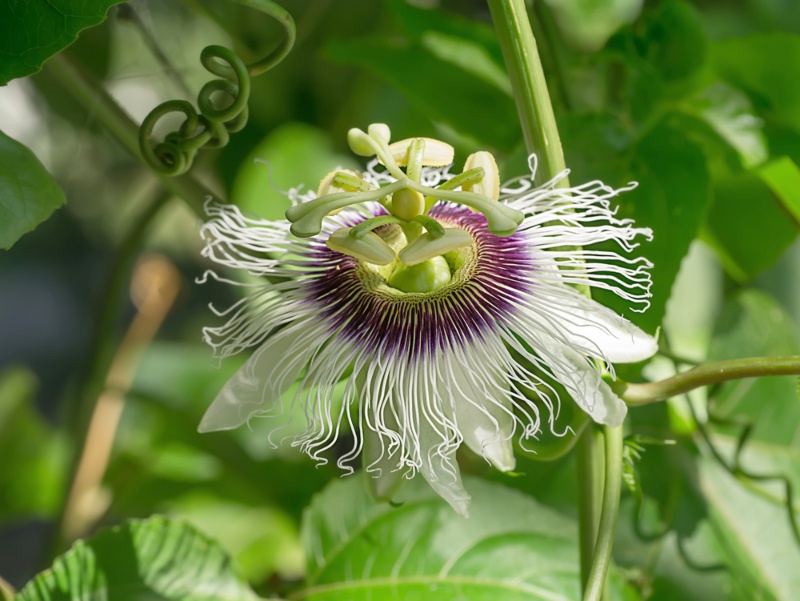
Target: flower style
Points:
(418, 309)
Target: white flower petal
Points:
(589, 325)
(442, 471)
(261, 381)
(583, 382)
(483, 413)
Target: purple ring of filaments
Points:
(414, 324)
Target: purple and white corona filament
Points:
(416, 310)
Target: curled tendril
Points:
(222, 103)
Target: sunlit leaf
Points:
(783, 178)
(729, 112)
(28, 193)
(150, 559)
(31, 31)
(358, 549)
(589, 23)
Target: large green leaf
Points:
(28, 193)
(150, 559)
(748, 224)
(452, 79)
(755, 532)
(510, 548)
(672, 198)
(767, 66)
(31, 31)
(752, 324)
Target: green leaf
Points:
(32, 477)
(142, 559)
(433, 72)
(31, 31)
(757, 539)
(752, 324)
(262, 539)
(766, 66)
(748, 224)
(510, 548)
(589, 23)
(674, 41)
(783, 178)
(672, 197)
(730, 114)
(28, 193)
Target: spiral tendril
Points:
(222, 103)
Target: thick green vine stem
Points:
(530, 88)
(704, 375)
(211, 126)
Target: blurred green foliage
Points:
(697, 102)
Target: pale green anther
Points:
(380, 132)
(427, 247)
(437, 153)
(370, 247)
(422, 278)
(489, 185)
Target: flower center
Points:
(428, 274)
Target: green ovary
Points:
(427, 276)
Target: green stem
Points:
(98, 103)
(530, 88)
(601, 560)
(590, 468)
(704, 375)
